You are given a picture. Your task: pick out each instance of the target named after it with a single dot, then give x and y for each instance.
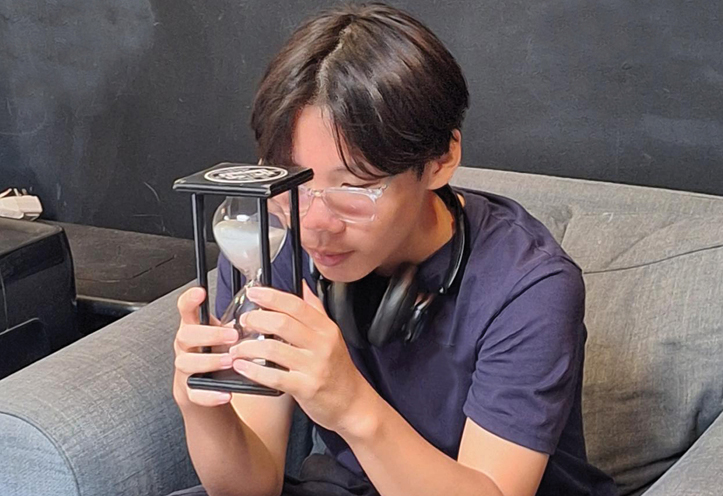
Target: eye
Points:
(347, 185)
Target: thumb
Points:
(312, 299)
(189, 303)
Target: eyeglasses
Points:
(350, 204)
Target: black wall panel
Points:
(103, 103)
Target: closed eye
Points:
(366, 186)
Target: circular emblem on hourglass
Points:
(245, 174)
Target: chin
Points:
(348, 271)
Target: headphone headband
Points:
(460, 252)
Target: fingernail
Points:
(241, 366)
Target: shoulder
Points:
(518, 280)
(509, 247)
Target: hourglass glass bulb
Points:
(236, 227)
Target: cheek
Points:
(384, 235)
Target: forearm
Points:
(399, 461)
(228, 456)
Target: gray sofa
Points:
(97, 417)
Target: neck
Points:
(436, 227)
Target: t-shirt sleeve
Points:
(529, 359)
(281, 276)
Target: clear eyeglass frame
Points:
(307, 195)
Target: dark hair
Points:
(393, 92)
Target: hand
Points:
(191, 336)
(319, 374)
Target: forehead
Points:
(313, 145)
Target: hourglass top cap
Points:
(259, 181)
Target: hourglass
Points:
(250, 229)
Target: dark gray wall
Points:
(103, 103)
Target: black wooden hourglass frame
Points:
(244, 180)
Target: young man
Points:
(486, 401)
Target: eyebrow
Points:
(339, 169)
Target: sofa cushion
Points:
(654, 357)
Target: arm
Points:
(237, 443)
(528, 369)
(400, 462)
(239, 448)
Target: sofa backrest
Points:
(652, 261)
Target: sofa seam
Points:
(597, 183)
(654, 262)
(54, 443)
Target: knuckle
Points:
(311, 390)
(296, 305)
(326, 350)
(274, 381)
(280, 322)
(181, 340)
(180, 302)
(274, 349)
(179, 363)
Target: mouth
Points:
(329, 259)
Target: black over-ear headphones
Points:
(403, 308)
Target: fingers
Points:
(283, 380)
(201, 363)
(283, 354)
(208, 398)
(192, 337)
(188, 305)
(290, 304)
(312, 299)
(279, 324)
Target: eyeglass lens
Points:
(353, 206)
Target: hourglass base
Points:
(228, 381)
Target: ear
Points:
(440, 171)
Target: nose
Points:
(318, 217)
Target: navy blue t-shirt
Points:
(506, 350)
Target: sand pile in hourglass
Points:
(239, 241)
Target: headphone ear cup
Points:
(396, 307)
(340, 305)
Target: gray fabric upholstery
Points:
(655, 349)
(699, 472)
(652, 261)
(98, 417)
(29, 452)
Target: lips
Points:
(329, 259)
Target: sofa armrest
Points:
(98, 416)
(698, 472)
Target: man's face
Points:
(344, 251)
